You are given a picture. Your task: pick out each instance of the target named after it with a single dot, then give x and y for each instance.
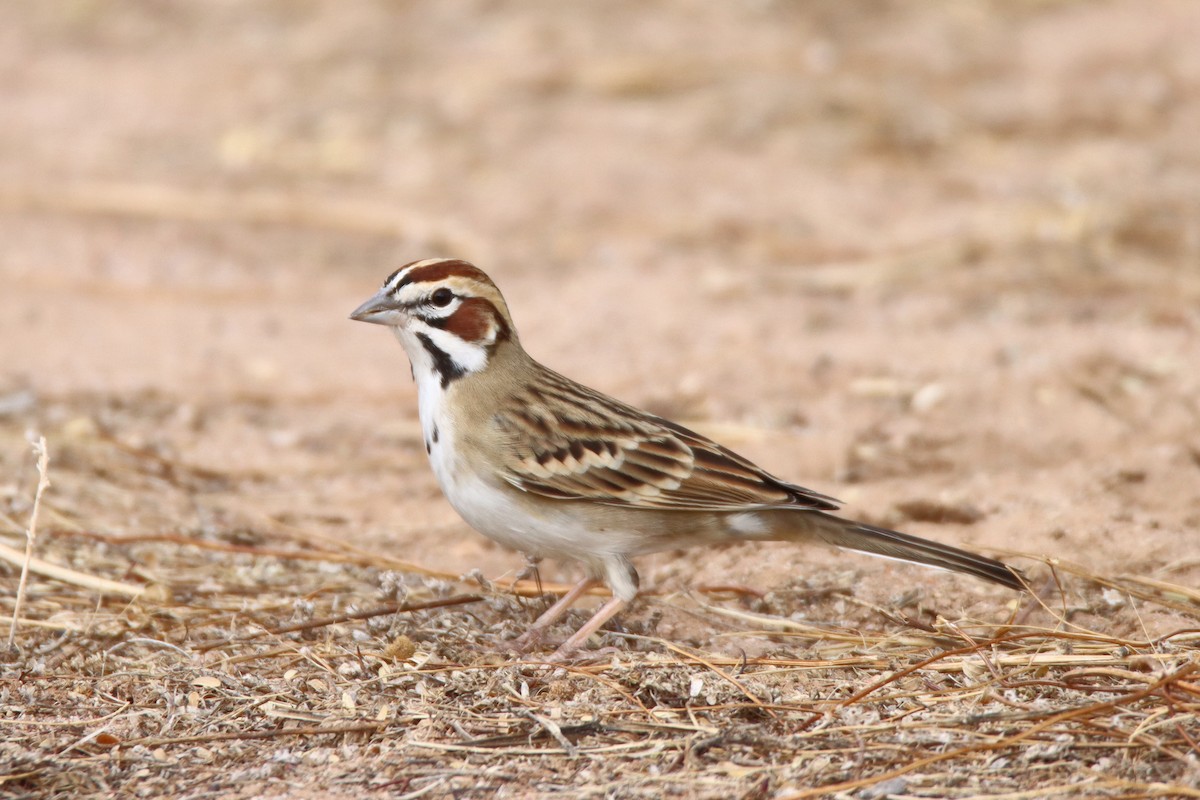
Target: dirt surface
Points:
(941, 261)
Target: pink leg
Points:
(531, 637)
(580, 637)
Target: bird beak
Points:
(380, 309)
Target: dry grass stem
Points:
(43, 468)
(38, 566)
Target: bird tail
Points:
(893, 544)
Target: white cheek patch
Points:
(468, 356)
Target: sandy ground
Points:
(941, 261)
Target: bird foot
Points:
(528, 641)
(573, 655)
(567, 653)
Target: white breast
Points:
(485, 507)
(437, 426)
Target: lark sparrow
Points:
(546, 466)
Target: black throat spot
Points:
(446, 366)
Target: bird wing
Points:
(568, 442)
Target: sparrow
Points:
(544, 465)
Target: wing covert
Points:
(568, 442)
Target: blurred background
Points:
(941, 260)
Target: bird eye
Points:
(442, 297)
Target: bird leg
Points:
(532, 637)
(580, 637)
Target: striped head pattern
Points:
(446, 313)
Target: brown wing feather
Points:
(568, 442)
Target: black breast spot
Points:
(446, 367)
